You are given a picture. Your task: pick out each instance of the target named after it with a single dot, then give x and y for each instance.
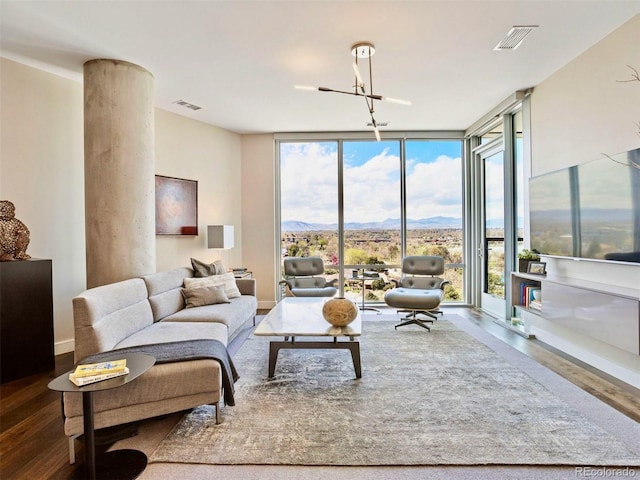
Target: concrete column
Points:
(119, 168)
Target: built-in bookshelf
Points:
(526, 300)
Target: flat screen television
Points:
(590, 211)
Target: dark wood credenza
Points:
(26, 318)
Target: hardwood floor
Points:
(33, 445)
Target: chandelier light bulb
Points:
(396, 100)
(358, 76)
(377, 132)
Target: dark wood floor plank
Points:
(32, 443)
(25, 437)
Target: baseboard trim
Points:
(65, 346)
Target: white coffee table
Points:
(302, 317)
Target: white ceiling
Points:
(240, 59)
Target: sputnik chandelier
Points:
(362, 50)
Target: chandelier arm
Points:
(357, 72)
(359, 81)
(369, 102)
(370, 81)
(376, 131)
(355, 94)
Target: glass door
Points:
(492, 239)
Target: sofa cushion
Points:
(162, 332)
(161, 282)
(233, 315)
(202, 269)
(227, 280)
(197, 297)
(105, 315)
(163, 288)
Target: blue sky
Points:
(358, 153)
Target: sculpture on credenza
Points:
(14, 235)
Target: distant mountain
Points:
(435, 222)
(388, 224)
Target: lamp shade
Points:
(220, 236)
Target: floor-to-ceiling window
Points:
(371, 215)
(309, 202)
(361, 205)
(434, 206)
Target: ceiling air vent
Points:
(515, 37)
(187, 104)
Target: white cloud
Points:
(309, 183)
(372, 190)
(434, 189)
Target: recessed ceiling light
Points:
(514, 37)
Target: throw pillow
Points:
(197, 297)
(201, 269)
(227, 280)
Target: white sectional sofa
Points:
(151, 310)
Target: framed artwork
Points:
(176, 206)
(539, 268)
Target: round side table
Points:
(363, 279)
(117, 464)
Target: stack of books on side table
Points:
(96, 372)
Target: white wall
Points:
(259, 215)
(582, 112)
(42, 173)
(197, 151)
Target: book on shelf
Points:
(88, 379)
(526, 294)
(530, 295)
(535, 305)
(100, 368)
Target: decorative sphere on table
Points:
(339, 311)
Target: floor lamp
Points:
(220, 236)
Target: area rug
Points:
(425, 398)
